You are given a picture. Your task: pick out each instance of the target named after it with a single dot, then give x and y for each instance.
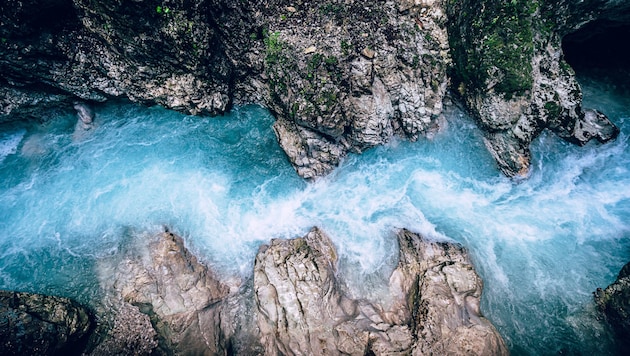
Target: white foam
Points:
(9, 143)
(225, 185)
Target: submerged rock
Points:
(35, 324)
(614, 303)
(85, 116)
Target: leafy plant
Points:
(162, 10)
(274, 47)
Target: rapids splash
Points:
(542, 246)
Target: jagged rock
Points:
(162, 300)
(593, 124)
(165, 282)
(35, 324)
(302, 308)
(443, 291)
(339, 76)
(376, 73)
(122, 330)
(510, 70)
(614, 303)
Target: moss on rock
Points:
(492, 44)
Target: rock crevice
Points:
(296, 303)
(340, 76)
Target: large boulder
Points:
(162, 300)
(174, 297)
(510, 70)
(35, 324)
(346, 76)
(434, 306)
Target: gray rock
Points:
(596, 125)
(339, 77)
(161, 279)
(162, 300)
(35, 324)
(85, 115)
(511, 73)
(434, 307)
(614, 303)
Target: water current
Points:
(542, 246)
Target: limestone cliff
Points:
(340, 76)
(510, 70)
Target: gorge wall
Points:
(339, 76)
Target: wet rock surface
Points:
(340, 76)
(161, 300)
(35, 324)
(614, 303)
(175, 297)
(435, 293)
(510, 70)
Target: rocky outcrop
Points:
(177, 302)
(346, 76)
(614, 303)
(434, 308)
(340, 76)
(35, 324)
(162, 300)
(510, 70)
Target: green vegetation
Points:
(552, 109)
(493, 42)
(162, 10)
(273, 47)
(276, 62)
(330, 8)
(346, 47)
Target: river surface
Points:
(542, 246)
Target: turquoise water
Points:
(542, 246)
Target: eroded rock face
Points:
(346, 76)
(35, 324)
(340, 76)
(614, 303)
(172, 54)
(510, 70)
(160, 280)
(162, 300)
(302, 308)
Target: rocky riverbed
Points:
(159, 299)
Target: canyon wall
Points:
(339, 76)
